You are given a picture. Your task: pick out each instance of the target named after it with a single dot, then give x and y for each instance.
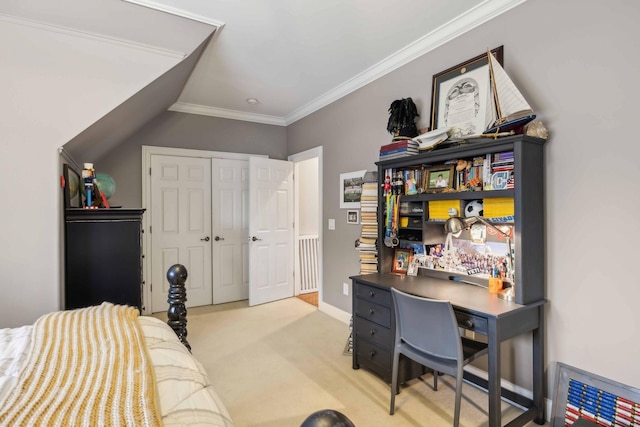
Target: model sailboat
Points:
(507, 107)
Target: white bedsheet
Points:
(185, 395)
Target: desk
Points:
(476, 310)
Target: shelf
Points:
(458, 195)
(527, 219)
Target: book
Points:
(399, 150)
(399, 144)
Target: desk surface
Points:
(474, 299)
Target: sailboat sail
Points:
(508, 108)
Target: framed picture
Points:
(439, 178)
(351, 189)
(72, 190)
(352, 217)
(413, 268)
(460, 95)
(580, 395)
(401, 260)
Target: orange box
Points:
(495, 285)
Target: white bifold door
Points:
(229, 222)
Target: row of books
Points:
(499, 171)
(368, 251)
(397, 149)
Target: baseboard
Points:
(345, 317)
(334, 312)
(507, 385)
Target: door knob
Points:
(254, 238)
(206, 239)
(218, 238)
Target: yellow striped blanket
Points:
(86, 367)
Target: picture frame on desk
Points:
(401, 259)
(412, 270)
(439, 178)
(72, 190)
(459, 96)
(351, 189)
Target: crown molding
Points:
(45, 26)
(177, 12)
(204, 110)
(448, 31)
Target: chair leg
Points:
(394, 381)
(435, 380)
(456, 412)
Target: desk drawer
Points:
(371, 354)
(374, 294)
(373, 312)
(374, 332)
(472, 323)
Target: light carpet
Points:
(276, 363)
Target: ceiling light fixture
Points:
(252, 101)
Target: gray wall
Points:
(576, 63)
(179, 130)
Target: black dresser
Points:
(103, 257)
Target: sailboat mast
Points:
(494, 87)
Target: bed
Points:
(107, 365)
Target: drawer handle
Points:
(371, 311)
(469, 323)
(372, 354)
(372, 294)
(372, 332)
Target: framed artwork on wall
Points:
(460, 96)
(352, 217)
(351, 189)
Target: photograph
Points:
(352, 217)
(413, 268)
(401, 260)
(72, 189)
(460, 96)
(439, 178)
(351, 189)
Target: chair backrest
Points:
(427, 324)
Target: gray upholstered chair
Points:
(427, 332)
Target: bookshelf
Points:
(505, 174)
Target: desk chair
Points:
(427, 332)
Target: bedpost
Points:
(177, 312)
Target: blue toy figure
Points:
(88, 175)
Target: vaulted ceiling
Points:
(296, 56)
(292, 56)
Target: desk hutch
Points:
(476, 309)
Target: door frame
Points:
(147, 152)
(298, 157)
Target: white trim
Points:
(147, 152)
(298, 157)
(177, 12)
(45, 26)
(448, 31)
(204, 110)
(513, 388)
(335, 312)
